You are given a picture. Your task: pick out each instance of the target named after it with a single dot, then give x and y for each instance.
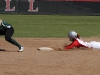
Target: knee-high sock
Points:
(14, 43)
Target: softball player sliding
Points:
(7, 30)
(77, 42)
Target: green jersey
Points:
(4, 25)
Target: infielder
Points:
(77, 42)
(7, 30)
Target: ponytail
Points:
(78, 36)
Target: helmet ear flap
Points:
(76, 36)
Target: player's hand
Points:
(60, 49)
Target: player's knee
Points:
(7, 38)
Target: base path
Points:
(34, 62)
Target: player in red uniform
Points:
(77, 42)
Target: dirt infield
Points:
(34, 62)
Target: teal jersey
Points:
(4, 25)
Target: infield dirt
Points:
(34, 62)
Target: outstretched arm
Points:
(68, 47)
(71, 46)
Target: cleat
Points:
(21, 49)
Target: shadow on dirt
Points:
(2, 50)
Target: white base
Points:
(45, 49)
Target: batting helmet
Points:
(72, 35)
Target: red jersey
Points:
(78, 43)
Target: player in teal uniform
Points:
(7, 30)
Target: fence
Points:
(70, 7)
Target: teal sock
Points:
(15, 43)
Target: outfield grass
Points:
(56, 26)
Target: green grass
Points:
(56, 26)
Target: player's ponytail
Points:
(78, 36)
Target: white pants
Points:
(95, 45)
